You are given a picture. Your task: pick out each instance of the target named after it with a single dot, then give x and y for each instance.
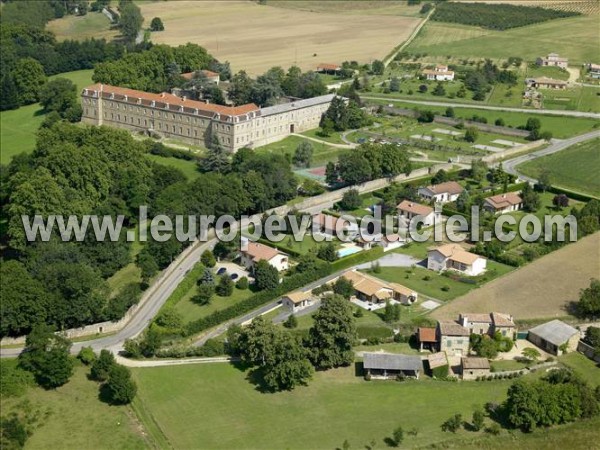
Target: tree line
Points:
(496, 16)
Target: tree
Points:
(265, 276)
(121, 389)
(440, 176)
(391, 312)
(531, 199)
(449, 111)
(208, 259)
(289, 366)
(531, 354)
(499, 122)
(343, 287)
(394, 84)
(101, 366)
(423, 88)
(206, 278)
(331, 173)
(479, 169)
(216, 158)
(46, 356)
(303, 154)
(378, 67)
(560, 201)
(9, 94)
(544, 180)
(291, 322)
(242, 283)
(327, 252)
(463, 202)
(471, 134)
(256, 342)
(59, 94)
(478, 419)
(130, 20)
(156, 24)
(397, 436)
(29, 78)
(332, 335)
(148, 266)
(589, 300)
(453, 424)
(86, 355)
(204, 294)
(350, 200)
(225, 286)
(439, 90)
(354, 168)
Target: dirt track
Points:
(539, 290)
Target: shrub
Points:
(445, 288)
(86, 355)
(242, 283)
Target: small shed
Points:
(438, 364)
(551, 336)
(472, 368)
(390, 365)
(427, 338)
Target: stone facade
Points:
(195, 122)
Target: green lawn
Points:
(93, 24)
(500, 366)
(334, 137)
(588, 369)
(322, 153)
(307, 244)
(189, 168)
(72, 417)
(19, 126)
(575, 168)
(337, 405)
(575, 38)
(191, 311)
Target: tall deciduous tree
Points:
(121, 389)
(266, 276)
(333, 333)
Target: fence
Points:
(588, 351)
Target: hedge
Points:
(356, 258)
(186, 284)
(571, 194)
(280, 246)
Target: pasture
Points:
(272, 36)
(575, 38)
(538, 290)
(92, 25)
(575, 168)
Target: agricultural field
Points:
(575, 38)
(20, 125)
(72, 416)
(535, 291)
(273, 36)
(575, 168)
(588, 7)
(349, 7)
(92, 25)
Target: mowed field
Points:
(92, 25)
(575, 168)
(542, 289)
(256, 37)
(576, 38)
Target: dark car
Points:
(221, 271)
(234, 276)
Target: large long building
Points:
(192, 121)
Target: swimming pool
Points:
(348, 251)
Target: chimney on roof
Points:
(503, 195)
(162, 95)
(206, 101)
(183, 98)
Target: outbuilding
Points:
(391, 365)
(471, 368)
(552, 336)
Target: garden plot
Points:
(424, 137)
(489, 148)
(448, 132)
(506, 143)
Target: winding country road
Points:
(555, 146)
(552, 112)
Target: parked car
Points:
(234, 276)
(221, 271)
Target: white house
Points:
(503, 203)
(454, 257)
(253, 252)
(442, 193)
(392, 241)
(297, 300)
(439, 73)
(594, 71)
(410, 210)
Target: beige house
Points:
(211, 76)
(331, 225)
(471, 368)
(297, 300)
(439, 73)
(191, 121)
(553, 60)
(441, 193)
(546, 83)
(453, 338)
(412, 210)
(253, 252)
(373, 290)
(454, 257)
(488, 323)
(503, 203)
(552, 336)
(392, 241)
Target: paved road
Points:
(488, 107)
(555, 146)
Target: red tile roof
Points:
(427, 335)
(165, 98)
(258, 251)
(414, 208)
(327, 66)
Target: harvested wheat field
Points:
(256, 37)
(541, 289)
